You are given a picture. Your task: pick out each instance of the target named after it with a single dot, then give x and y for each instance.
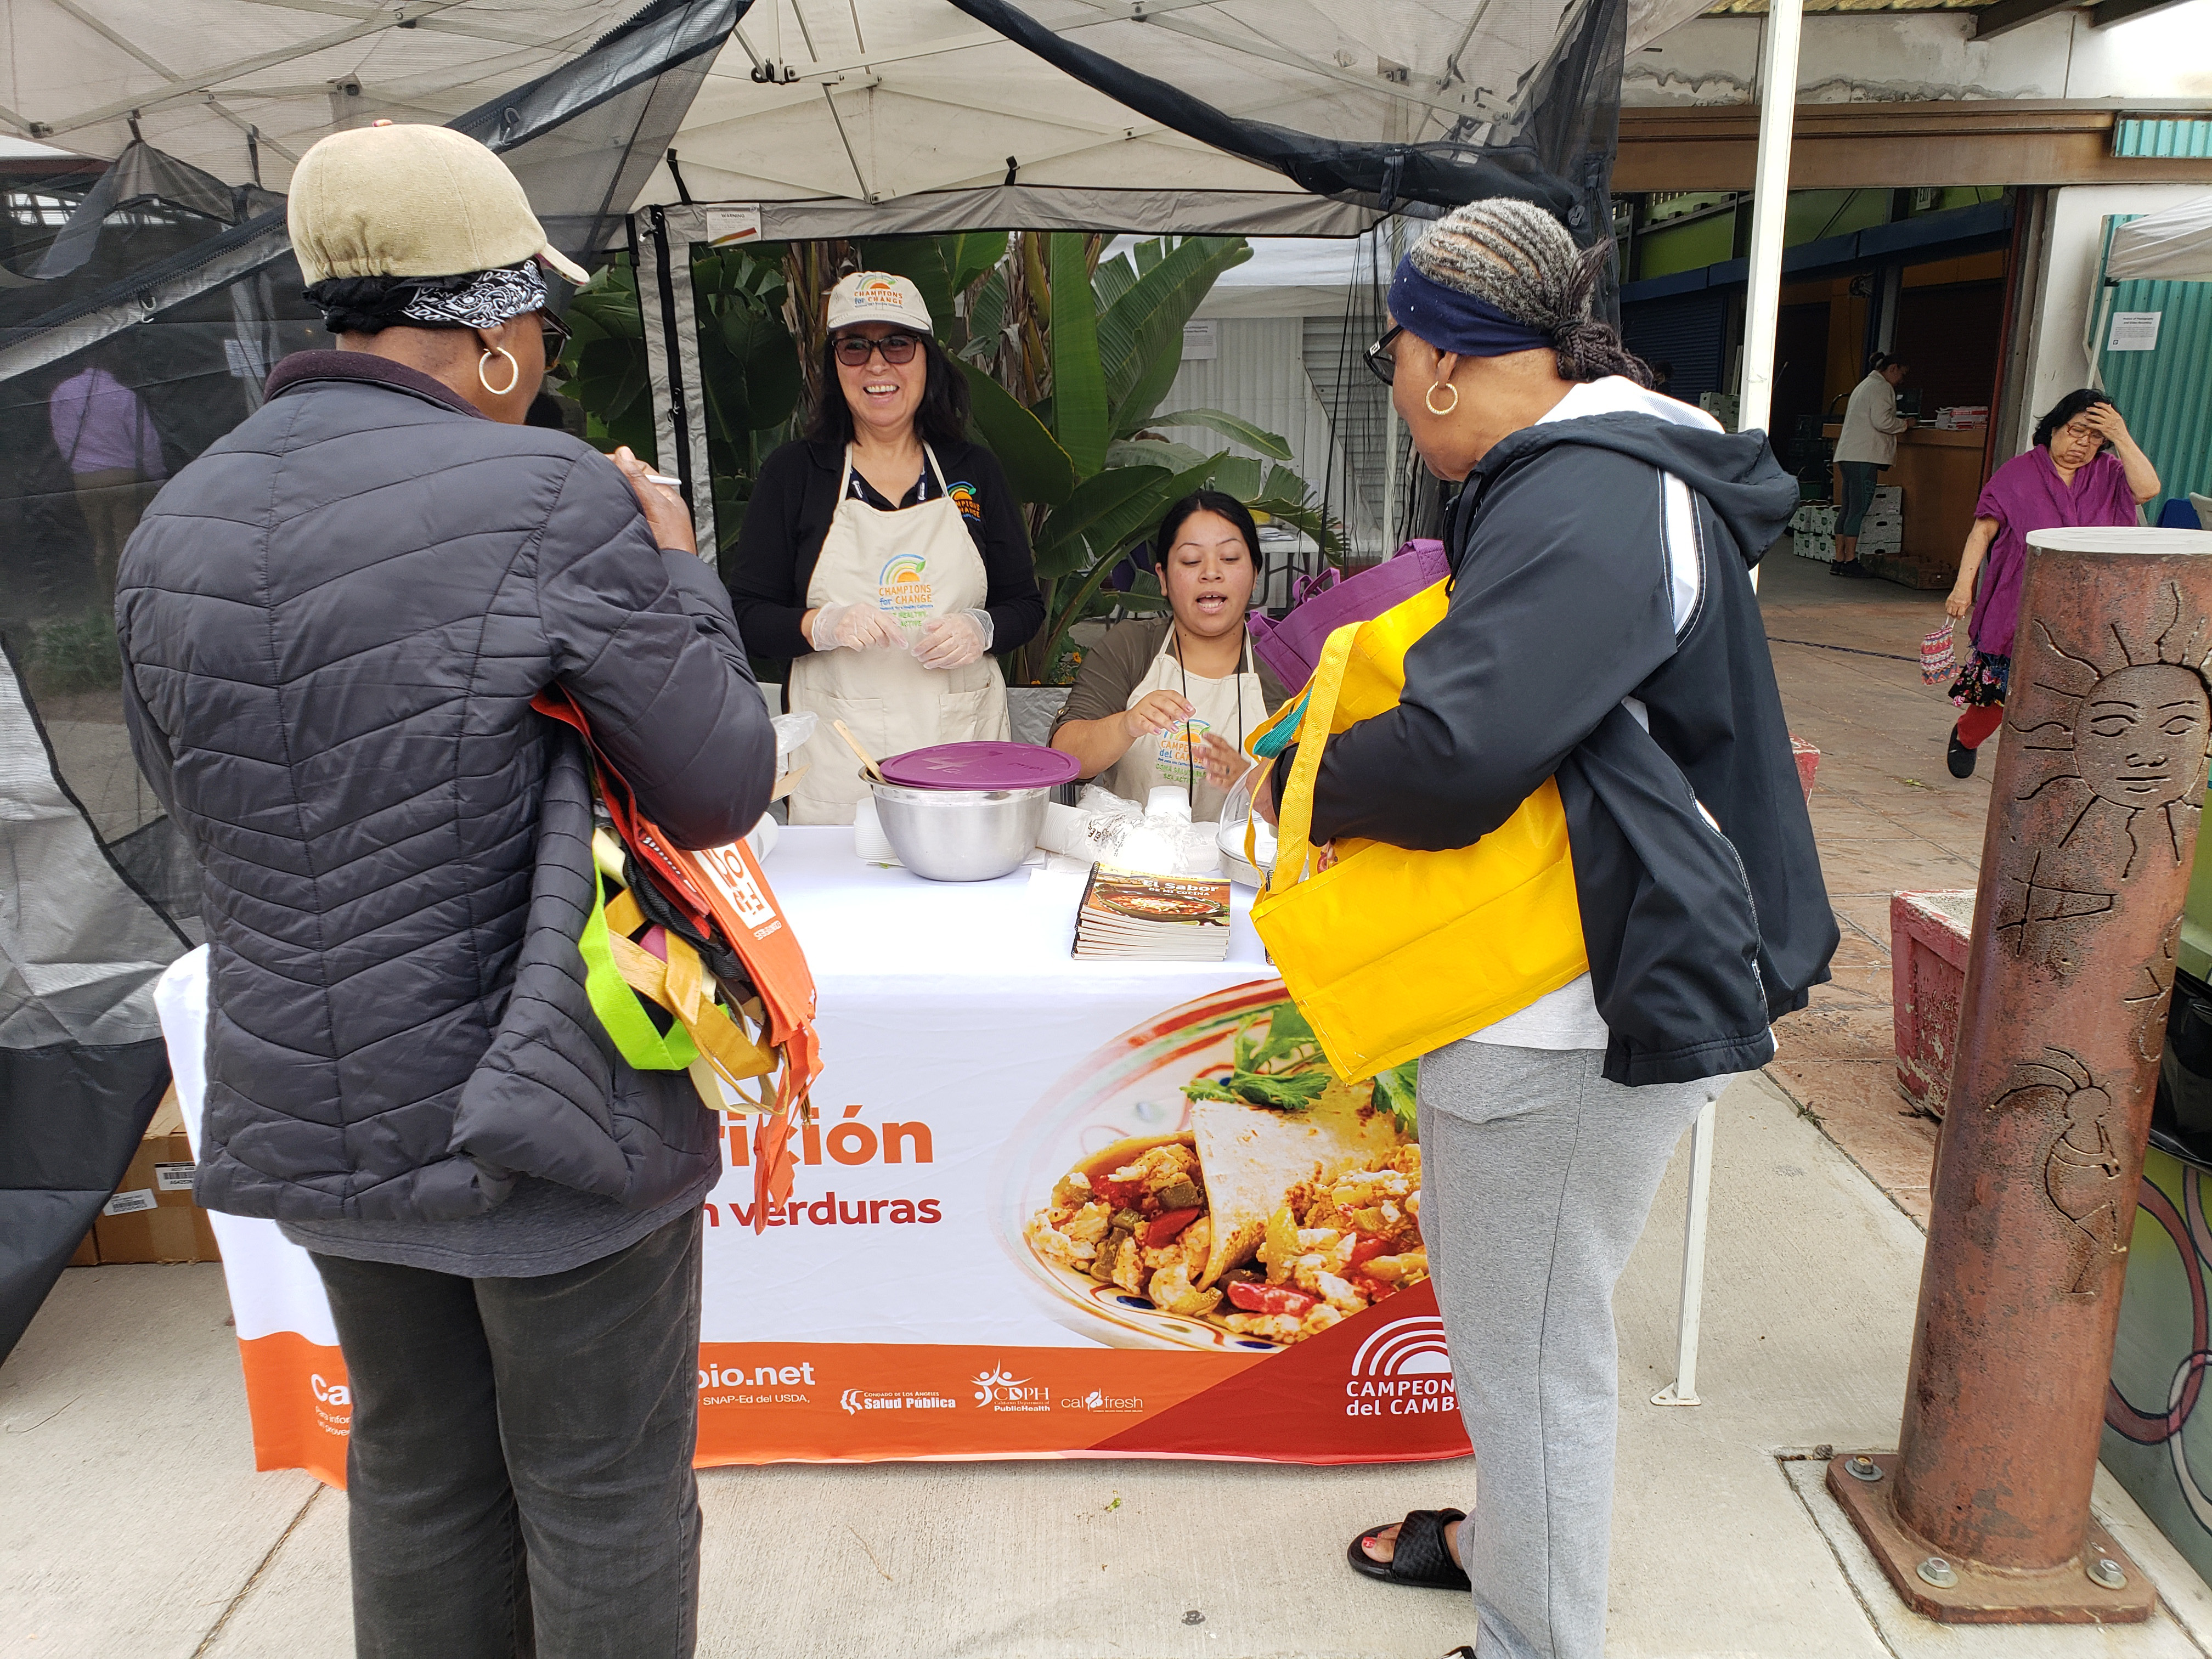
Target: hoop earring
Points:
(1428, 397)
(514, 376)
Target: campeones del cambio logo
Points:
(1402, 1370)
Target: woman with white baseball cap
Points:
(885, 554)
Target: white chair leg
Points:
(1683, 1390)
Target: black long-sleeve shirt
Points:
(792, 502)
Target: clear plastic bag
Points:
(792, 733)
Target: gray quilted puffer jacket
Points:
(332, 624)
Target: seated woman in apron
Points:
(883, 554)
(1170, 700)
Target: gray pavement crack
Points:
(207, 1642)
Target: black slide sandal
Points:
(1421, 1561)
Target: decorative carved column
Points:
(1983, 1515)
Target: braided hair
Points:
(1515, 256)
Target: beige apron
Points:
(1234, 707)
(916, 563)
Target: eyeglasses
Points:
(1381, 361)
(557, 337)
(853, 350)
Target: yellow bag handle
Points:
(1294, 827)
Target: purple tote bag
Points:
(1321, 604)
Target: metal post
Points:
(1683, 1390)
(1770, 203)
(1983, 1515)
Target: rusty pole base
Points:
(1979, 1595)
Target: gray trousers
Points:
(1536, 1176)
(519, 1479)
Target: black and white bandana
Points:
(489, 300)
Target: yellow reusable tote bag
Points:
(1391, 953)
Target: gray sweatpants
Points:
(1536, 1175)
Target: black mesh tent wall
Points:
(142, 304)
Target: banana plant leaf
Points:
(1091, 519)
(1079, 414)
(1036, 466)
(1139, 337)
(1229, 425)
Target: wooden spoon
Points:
(873, 772)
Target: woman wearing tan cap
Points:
(884, 553)
(333, 623)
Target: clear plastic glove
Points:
(954, 640)
(853, 628)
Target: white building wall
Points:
(1926, 57)
(2058, 359)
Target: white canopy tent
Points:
(2172, 247)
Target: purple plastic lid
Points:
(982, 765)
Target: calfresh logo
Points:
(330, 1393)
(1099, 1400)
(1001, 1390)
(1403, 1369)
(903, 589)
(726, 868)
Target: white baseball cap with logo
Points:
(877, 297)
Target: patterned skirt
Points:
(1982, 681)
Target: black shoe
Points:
(1850, 567)
(1961, 759)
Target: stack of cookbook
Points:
(1130, 913)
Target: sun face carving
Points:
(2118, 740)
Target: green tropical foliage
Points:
(1068, 356)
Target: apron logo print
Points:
(903, 588)
(1180, 746)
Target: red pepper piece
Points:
(1165, 1227)
(1365, 1249)
(1270, 1299)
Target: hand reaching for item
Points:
(1225, 761)
(853, 628)
(954, 640)
(1153, 714)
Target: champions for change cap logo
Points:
(903, 590)
(1402, 1370)
(879, 291)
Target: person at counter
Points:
(1864, 448)
(1170, 700)
(2083, 468)
(884, 553)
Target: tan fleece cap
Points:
(400, 200)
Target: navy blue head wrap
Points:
(1452, 321)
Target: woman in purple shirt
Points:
(2083, 469)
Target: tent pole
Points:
(1770, 203)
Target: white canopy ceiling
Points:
(866, 101)
(2172, 247)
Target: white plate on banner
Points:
(1131, 1087)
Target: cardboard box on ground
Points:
(152, 1217)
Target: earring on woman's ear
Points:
(1429, 398)
(514, 372)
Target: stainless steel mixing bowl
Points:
(961, 834)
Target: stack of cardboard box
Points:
(1882, 533)
(1813, 532)
(152, 1217)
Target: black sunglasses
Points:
(1381, 361)
(557, 337)
(853, 350)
